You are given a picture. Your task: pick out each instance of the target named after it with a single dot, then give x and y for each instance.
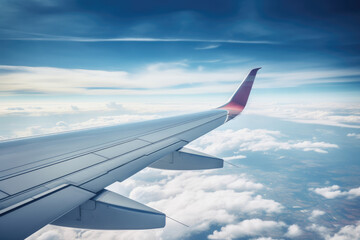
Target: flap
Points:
(36, 212)
(188, 159)
(109, 210)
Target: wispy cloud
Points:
(355, 135)
(136, 39)
(212, 46)
(155, 77)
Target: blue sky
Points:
(280, 36)
(68, 65)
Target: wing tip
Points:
(254, 71)
(238, 101)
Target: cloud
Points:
(316, 213)
(247, 228)
(335, 114)
(348, 232)
(321, 230)
(133, 39)
(328, 192)
(234, 157)
(57, 234)
(49, 107)
(154, 79)
(15, 109)
(355, 135)
(293, 78)
(293, 231)
(334, 192)
(212, 46)
(62, 124)
(50, 232)
(222, 141)
(74, 108)
(199, 199)
(263, 238)
(114, 105)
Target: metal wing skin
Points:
(60, 178)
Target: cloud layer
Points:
(155, 77)
(222, 141)
(198, 199)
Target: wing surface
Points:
(44, 178)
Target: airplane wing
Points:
(60, 178)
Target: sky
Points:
(67, 65)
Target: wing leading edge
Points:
(60, 178)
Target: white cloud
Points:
(355, 192)
(114, 105)
(247, 228)
(328, 192)
(155, 79)
(46, 108)
(355, 135)
(75, 108)
(334, 192)
(234, 157)
(51, 232)
(199, 199)
(263, 238)
(82, 39)
(316, 213)
(293, 231)
(291, 78)
(321, 230)
(57, 234)
(212, 46)
(334, 114)
(15, 109)
(348, 232)
(220, 141)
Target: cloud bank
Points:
(222, 141)
(153, 78)
(215, 199)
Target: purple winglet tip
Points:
(238, 101)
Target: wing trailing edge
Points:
(188, 159)
(111, 211)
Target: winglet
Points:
(239, 99)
